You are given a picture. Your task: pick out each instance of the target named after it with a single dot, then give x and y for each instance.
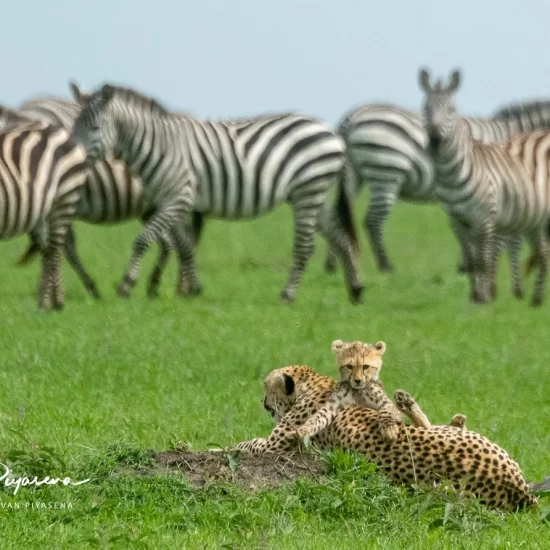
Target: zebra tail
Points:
(344, 212)
(29, 254)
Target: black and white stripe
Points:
(228, 169)
(110, 195)
(387, 148)
(41, 172)
(488, 189)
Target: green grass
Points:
(101, 381)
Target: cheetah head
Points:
(279, 394)
(358, 362)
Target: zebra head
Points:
(95, 126)
(440, 115)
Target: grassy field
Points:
(101, 382)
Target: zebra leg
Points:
(340, 243)
(383, 195)
(74, 260)
(514, 249)
(541, 247)
(166, 246)
(58, 295)
(51, 260)
(466, 264)
(156, 225)
(305, 221)
(484, 260)
(331, 262)
(188, 283)
(501, 243)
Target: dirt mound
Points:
(249, 471)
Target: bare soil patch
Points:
(249, 471)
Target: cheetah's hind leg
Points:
(409, 407)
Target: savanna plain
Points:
(89, 391)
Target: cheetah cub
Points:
(359, 365)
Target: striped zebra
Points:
(110, 195)
(387, 148)
(225, 169)
(487, 189)
(41, 172)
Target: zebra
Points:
(111, 194)
(388, 148)
(488, 188)
(41, 172)
(225, 169)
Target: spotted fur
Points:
(474, 465)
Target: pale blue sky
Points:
(223, 58)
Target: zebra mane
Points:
(128, 95)
(11, 116)
(524, 109)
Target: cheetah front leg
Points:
(317, 423)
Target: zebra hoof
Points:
(58, 306)
(386, 268)
(286, 297)
(537, 302)
(123, 292)
(518, 294)
(356, 294)
(330, 267)
(190, 293)
(153, 290)
(94, 293)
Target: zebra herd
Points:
(115, 155)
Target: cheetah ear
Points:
(337, 345)
(289, 384)
(380, 347)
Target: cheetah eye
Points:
(365, 367)
(349, 367)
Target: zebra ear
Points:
(454, 82)
(424, 80)
(75, 91)
(107, 92)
